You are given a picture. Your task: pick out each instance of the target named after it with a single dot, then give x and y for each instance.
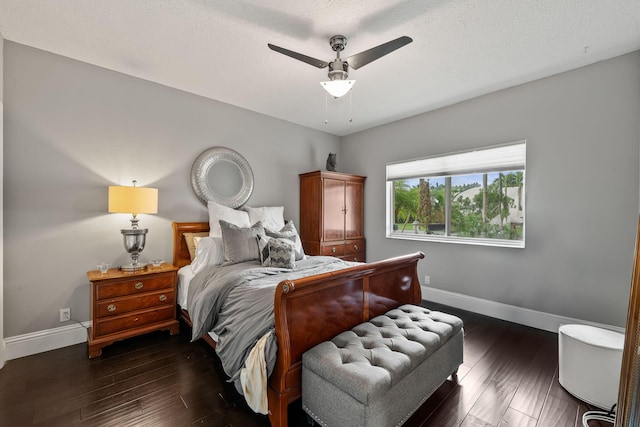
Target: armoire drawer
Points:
(357, 257)
(337, 249)
(354, 247)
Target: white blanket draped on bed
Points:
(253, 377)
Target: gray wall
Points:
(1, 67)
(582, 176)
(73, 129)
(2, 356)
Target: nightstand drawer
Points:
(133, 286)
(117, 306)
(111, 325)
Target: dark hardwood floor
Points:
(509, 378)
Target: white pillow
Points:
(218, 212)
(209, 251)
(271, 217)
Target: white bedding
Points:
(185, 274)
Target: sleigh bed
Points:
(313, 309)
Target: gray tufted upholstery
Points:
(369, 359)
(376, 358)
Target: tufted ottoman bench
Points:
(381, 371)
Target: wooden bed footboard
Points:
(314, 309)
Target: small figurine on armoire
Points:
(331, 162)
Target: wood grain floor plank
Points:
(453, 411)
(136, 388)
(481, 339)
(471, 421)
(513, 418)
(121, 415)
(558, 412)
(503, 384)
(537, 378)
(98, 395)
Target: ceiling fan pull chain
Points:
(325, 109)
(351, 106)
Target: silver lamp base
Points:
(134, 241)
(133, 267)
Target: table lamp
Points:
(133, 200)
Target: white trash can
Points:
(589, 363)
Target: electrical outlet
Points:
(427, 280)
(65, 314)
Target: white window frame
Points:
(499, 158)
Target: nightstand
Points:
(127, 304)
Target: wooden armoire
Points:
(332, 215)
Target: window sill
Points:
(459, 240)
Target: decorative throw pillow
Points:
(191, 244)
(263, 249)
(219, 212)
(209, 252)
(240, 243)
(277, 252)
(289, 230)
(271, 217)
(263, 246)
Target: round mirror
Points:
(222, 175)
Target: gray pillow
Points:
(289, 230)
(277, 252)
(240, 243)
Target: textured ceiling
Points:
(218, 49)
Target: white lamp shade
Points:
(338, 88)
(133, 200)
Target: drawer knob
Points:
(136, 319)
(163, 297)
(355, 259)
(111, 307)
(139, 285)
(333, 249)
(355, 247)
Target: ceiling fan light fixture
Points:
(338, 88)
(338, 85)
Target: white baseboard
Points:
(511, 313)
(49, 339)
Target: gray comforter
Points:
(236, 303)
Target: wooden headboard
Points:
(181, 255)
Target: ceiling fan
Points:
(338, 84)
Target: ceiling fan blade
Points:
(363, 58)
(300, 57)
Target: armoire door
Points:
(333, 209)
(354, 211)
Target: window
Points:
(474, 197)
